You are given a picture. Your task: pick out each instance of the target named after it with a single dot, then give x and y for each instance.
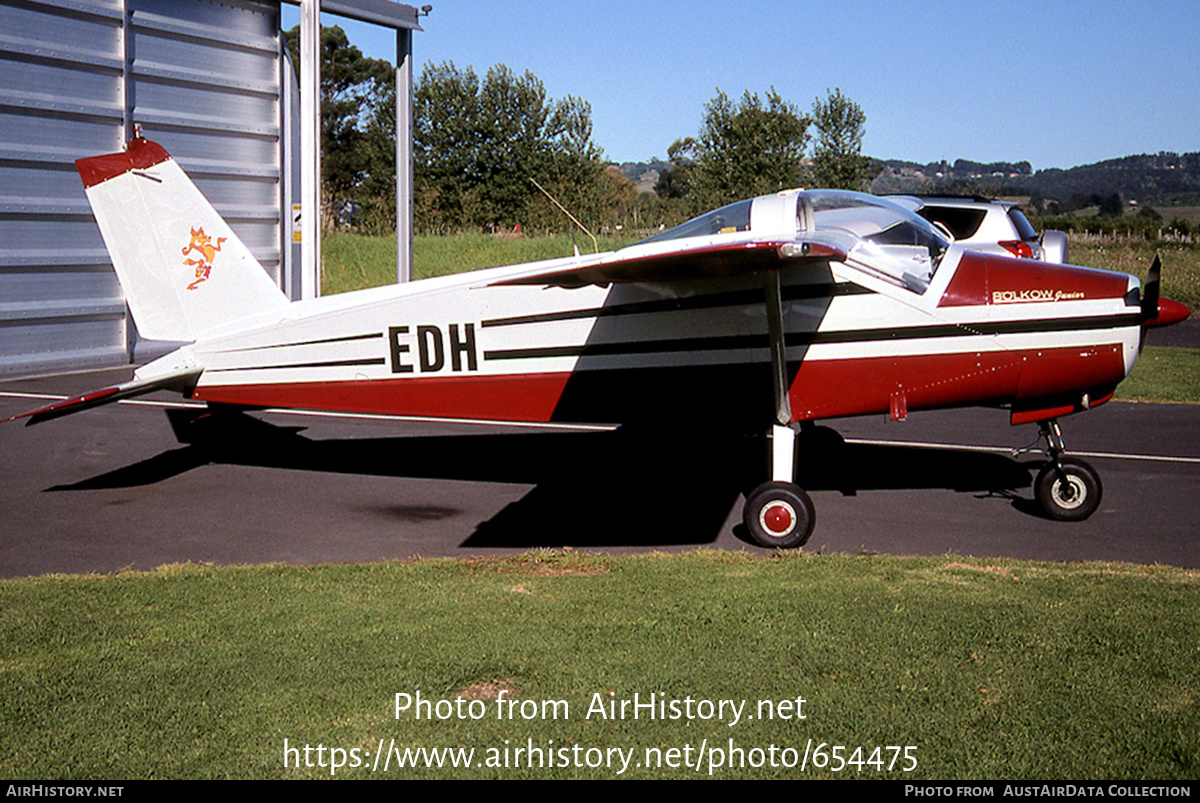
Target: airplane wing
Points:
(95, 398)
(702, 262)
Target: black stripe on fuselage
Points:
(731, 342)
(322, 341)
(326, 364)
(799, 292)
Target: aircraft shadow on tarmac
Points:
(608, 488)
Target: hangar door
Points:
(204, 79)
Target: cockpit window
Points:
(727, 219)
(875, 220)
(891, 240)
(878, 236)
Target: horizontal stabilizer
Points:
(706, 262)
(95, 398)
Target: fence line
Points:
(1117, 236)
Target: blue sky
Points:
(1056, 83)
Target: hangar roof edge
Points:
(380, 12)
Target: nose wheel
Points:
(1068, 489)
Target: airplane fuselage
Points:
(987, 330)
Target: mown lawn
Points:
(986, 669)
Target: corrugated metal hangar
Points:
(210, 81)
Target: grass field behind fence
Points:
(355, 261)
(986, 668)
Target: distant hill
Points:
(1149, 179)
(1161, 179)
(644, 174)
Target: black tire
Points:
(1070, 494)
(779, 515)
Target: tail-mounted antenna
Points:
(553, 200)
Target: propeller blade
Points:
(1150, 291)
(1149, 300)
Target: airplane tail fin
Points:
(184, 272)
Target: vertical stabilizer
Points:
(184, 272)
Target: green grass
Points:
(991, 669)
(1165, 374)
(355, 261)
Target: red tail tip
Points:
(139, 154)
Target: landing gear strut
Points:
(779, 513)
(1068, 489)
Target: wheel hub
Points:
(778, 518)
(1070, 492)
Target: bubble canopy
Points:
(875, 233)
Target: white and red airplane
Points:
(773, 312)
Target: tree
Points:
(838, 162)
(1110, 205)
(352, 89)
(677, 181)
(746, 149)
(478, 144)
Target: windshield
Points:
(727, 219)
(877, 235)
(874, 220)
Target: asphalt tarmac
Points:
(150, 482)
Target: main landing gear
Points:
(1068, 489)
(779, 513)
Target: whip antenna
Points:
(553, 200)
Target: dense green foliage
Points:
(498, 153)
(837, 161)
(483, 147)
(745, 149)
(480, 146)
(1146, 225)
(353, 87)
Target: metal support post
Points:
(404, 155)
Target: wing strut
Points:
(783, 438)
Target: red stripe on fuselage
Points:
(518, 397)
(822, 388)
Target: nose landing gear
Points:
(1068, 489)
